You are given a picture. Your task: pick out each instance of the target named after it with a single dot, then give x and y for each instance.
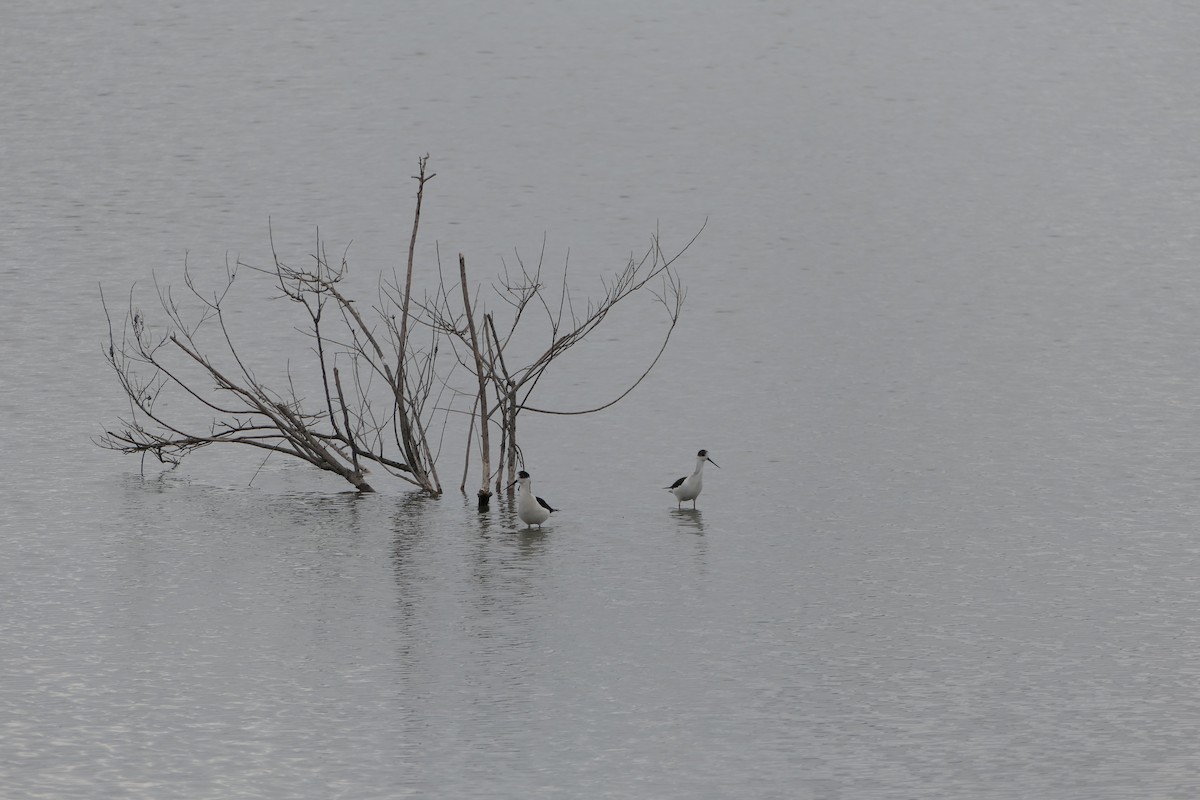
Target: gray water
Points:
(940, 335)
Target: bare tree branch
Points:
(189, 382)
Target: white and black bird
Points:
(688, 487)
(532, 510)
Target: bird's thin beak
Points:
(715, 464)
(514, 483)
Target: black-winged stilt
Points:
(688, 488)
(532, 510)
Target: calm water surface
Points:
(940, 336)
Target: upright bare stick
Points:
(485, 449)
(421, 179)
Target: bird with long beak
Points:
(689, 486)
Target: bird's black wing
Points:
(545, 505)
(677, 483)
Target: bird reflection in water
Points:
(689, 520)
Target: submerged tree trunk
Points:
(485, 450)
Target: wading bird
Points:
(688, 488)
(532, 510)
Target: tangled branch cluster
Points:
(379, 381)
